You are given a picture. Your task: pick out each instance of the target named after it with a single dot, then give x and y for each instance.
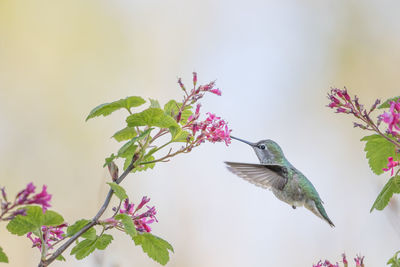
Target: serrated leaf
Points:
(108, 108)
(378, 150)
(155, 247)
(103, 241)
(109, 159)
(78, 225)
(391, 187)
(87, 246)
(172, 109)
(129, 148)
(22, 225)
(84, 248)
(125, 134)
(119, 191)
(52, 218)
(394, 261)
(61, 258)
(129, 227)
(151, 117)
(154, 103)
(386, 104)
(3, 256)
(133, 101)
(181, 136)
(144, 167)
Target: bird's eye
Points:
(261, 147)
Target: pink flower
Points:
(216, 91)
(141, 220)
(391, 165)
(344, 260)
(144, 201)
(194, 78)
(359, 261)
(50, 235)
(43, 198)
(392, 118)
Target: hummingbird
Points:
(276, 173)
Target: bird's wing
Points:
(263, 175)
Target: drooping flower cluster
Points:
(391, 165)
(50, 235)
(24, 197)
(213, 128)
(141, 220)
(341, 101)
(358, 260)
(392, 118)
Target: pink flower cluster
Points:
(141, 220)
(50, 235)
(24, 197)
(390, 166)
(358, 260)
(42, 198)
(392, 118)
(341, 100)
(213, 128)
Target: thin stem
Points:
(92, 223)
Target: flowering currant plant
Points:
(179, 122)
(382, 147)
(358, 260)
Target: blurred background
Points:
(274, 62)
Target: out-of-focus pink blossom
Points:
(141, 220)
(344, 260)
(392, 118)
(42, 198)
(50, 235)
(390, 166)
(359, 261)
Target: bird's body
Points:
(276, 173)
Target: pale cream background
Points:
(273, 60)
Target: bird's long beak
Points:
(244, 141)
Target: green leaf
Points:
(386, 104)
(133, 101)
(172, 109)
(144, 167)
(129, 148)
(3, 256)
(87, 246)
(394, 261)
(61, 258)
(84, 248)
(378, 150)
(119, 191)
(103, 241)
(109, 159)
(125, 134)
(155, 247)
(78, 225)
(154, 103)
(22, 225)
(108, 108)
(52, 218)
(391, 187)
(180, 136)
(151, 117)
(129, 227)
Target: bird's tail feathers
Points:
(318, 209)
